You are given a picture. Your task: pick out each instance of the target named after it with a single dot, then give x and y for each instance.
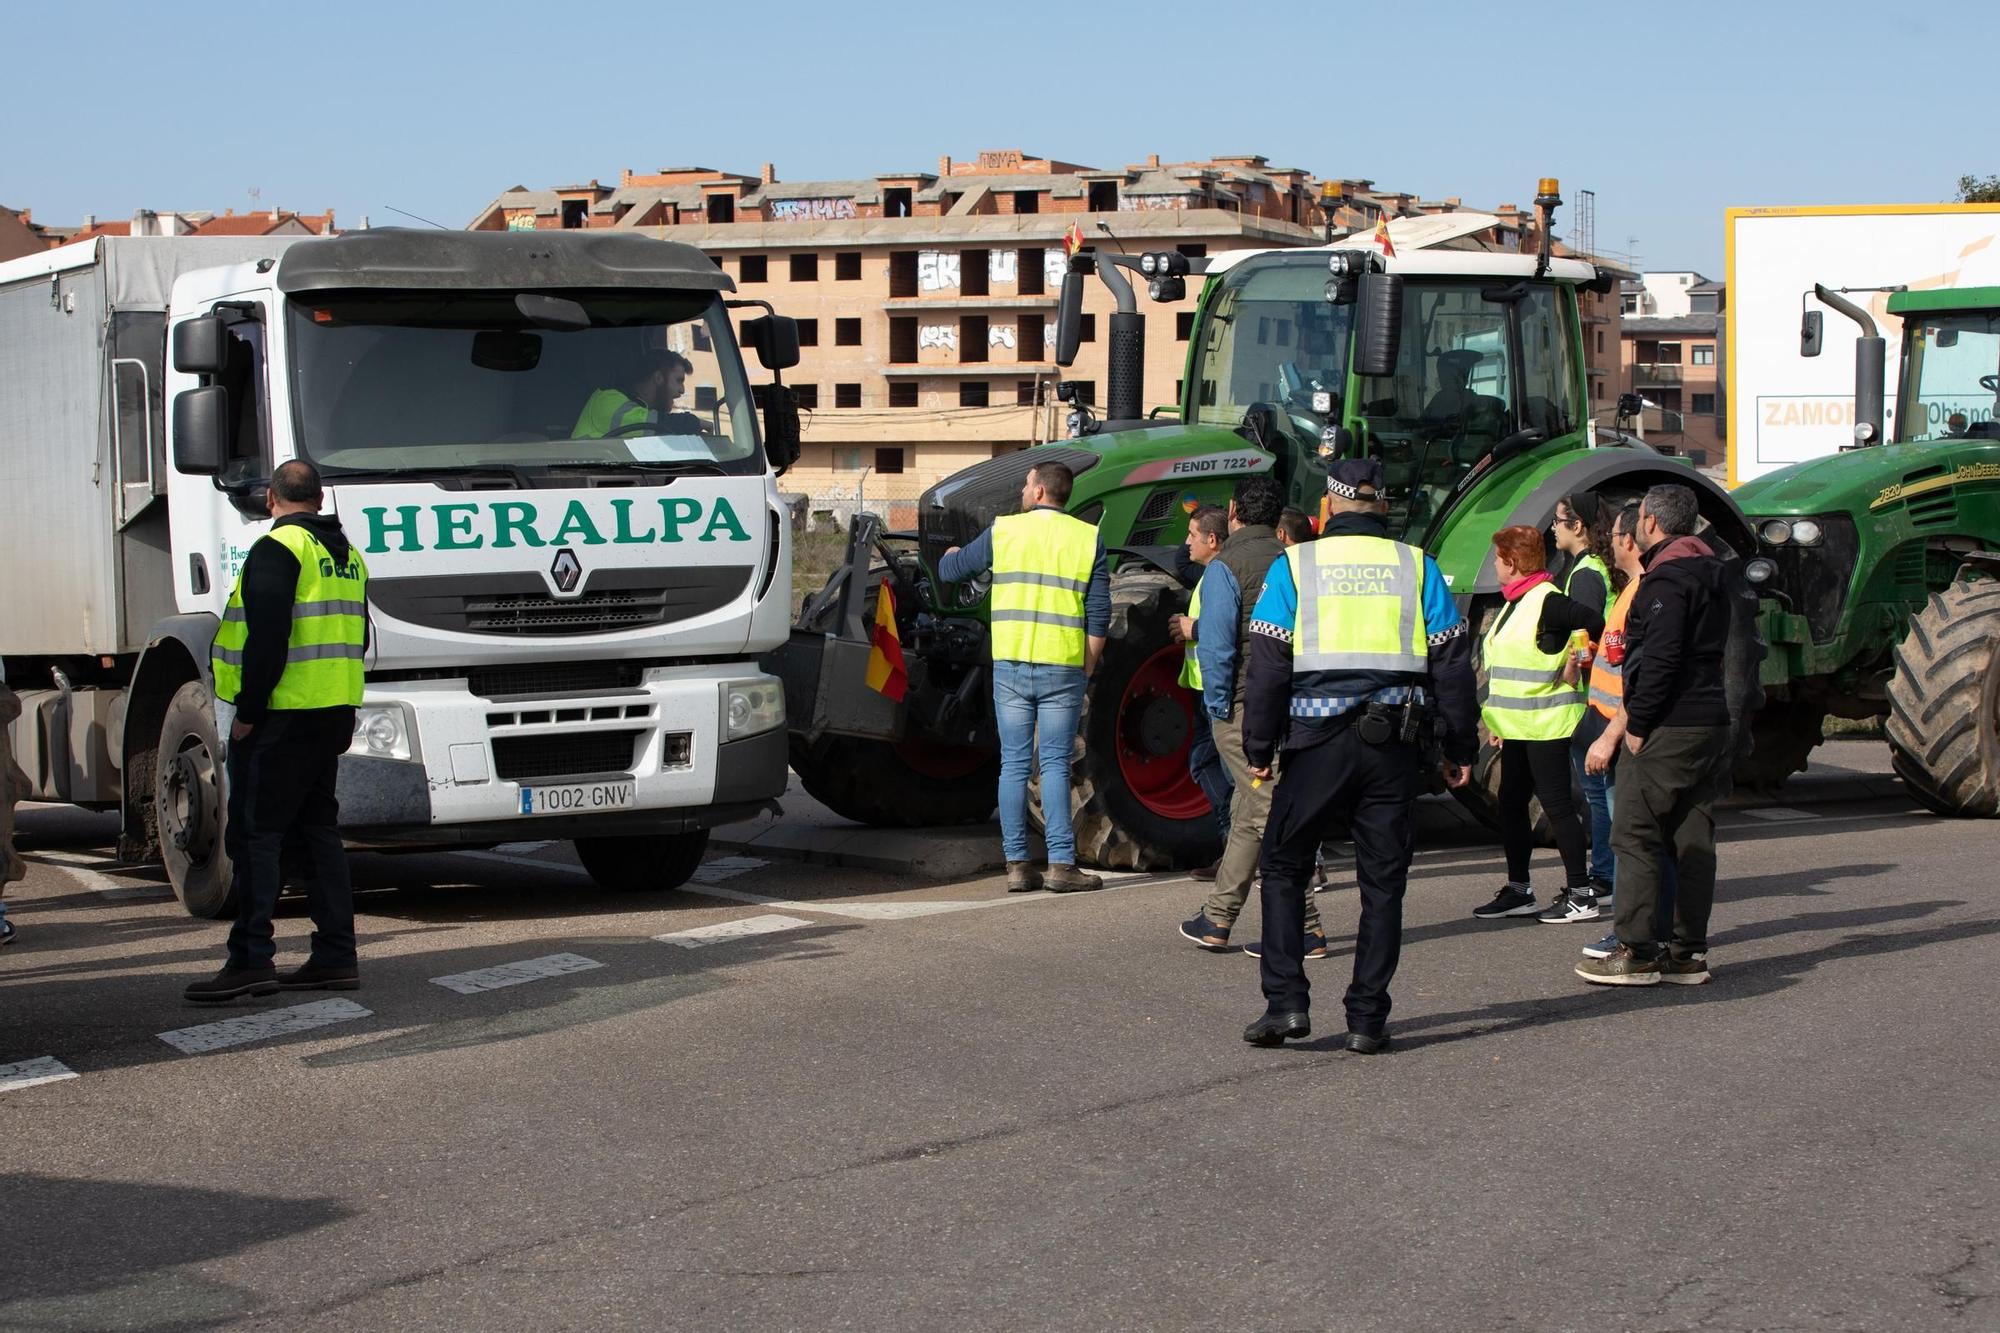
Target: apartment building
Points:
(1674, 361)
(926, 300)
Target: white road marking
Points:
(703, 936)
(860, 911)
(514, 974)
(256, 1027)
(30, 1073)
(526, 863)
(89, 871)
(726, 867)
(1780, 814)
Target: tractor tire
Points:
(645, 864)
(1133, 804)
(13, 786)
(898, 784)
(1783, 736)
(191, 807)
(1944, 702)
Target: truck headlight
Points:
(383, 731)
(1806, 532)
(1775, 532)
(751, 707)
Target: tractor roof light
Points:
(1775, 532)
(1347, 263)
(1548, 192)
(1805, 532)
(1167, 288)
(1760, 571)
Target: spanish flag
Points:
(1073, 239)
(1382, 237)
(886, 673)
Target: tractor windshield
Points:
(1951, 383)
(1480, 361)
(1271, 337)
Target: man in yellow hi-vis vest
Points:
(1050, 611)
(646, 409)
(287, 664)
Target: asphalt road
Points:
(939, 1106)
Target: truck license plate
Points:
(580, 798)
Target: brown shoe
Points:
(1068, 879)
(1022, 877)
(1205, 874)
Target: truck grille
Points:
(521, 758)
(520, 603)
(540, 679)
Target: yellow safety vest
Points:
(1042, 561)
(1525, 697)
(1592, 562)
(1607, 679)
(1190, 664)
(323, 657)
(606, 411)
(1361, 606)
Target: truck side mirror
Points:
(1812, 333)
(781, 427)
(201, 346)
(1378, 323)
(1069, 319)
(201, 425)
(776, 338)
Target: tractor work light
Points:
(1760, 571)
(1149, 264)
(1805, 532)
(1864, 432)
(1775, 532)
(1168, 288)
(1347, 263)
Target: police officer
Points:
(1354, 644)
(1051, 610)
(287, 664)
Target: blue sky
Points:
(1670, 113)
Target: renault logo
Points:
(567, 571)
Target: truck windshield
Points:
(389, 384)
(1479, 361)
(1269, 336)
(1953, 378)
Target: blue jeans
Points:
(1205, 767)
(1032, 699)
(1596, 795)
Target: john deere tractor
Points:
(1880, 566)
(1461, 369)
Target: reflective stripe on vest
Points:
(1525, 698)
(1042, 561)
(1607, 682)
(606, 411)
(1361, 606)
(1190, 663)
(1592, 562)
(323, 655)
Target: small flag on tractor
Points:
(886, 672)
(1073, 239)
(1382, 237)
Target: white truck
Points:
(566, 605)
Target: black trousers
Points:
(1665, 811)
(281, 794)
(1371, 789)
(1539, 768)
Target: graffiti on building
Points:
(1152, 203)
(811, 210)
(1000, 335)
(937, 269)
(1054, 265)
(937, 335)
(1048, 333)
(524, 220)
(1002, 265)
(1005, 159)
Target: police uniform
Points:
(288, 661)
(1356, 650)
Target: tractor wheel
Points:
(13, 786)
(1783, 736)
(1133, 804)
(1944, 702)
(899, 784)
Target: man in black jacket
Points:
(1676, 764)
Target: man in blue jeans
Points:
(1208, 529)
(1050, 610)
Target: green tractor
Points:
(1880, 566)
(1461, 369)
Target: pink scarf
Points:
(1513, 591)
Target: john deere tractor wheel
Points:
(1783, 736)
(1944, 702)
(899, 784)
(1132, 801)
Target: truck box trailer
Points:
(565, 610)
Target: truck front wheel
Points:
(1944, 702)
(190, 807)
(911, 783)
(651, 863)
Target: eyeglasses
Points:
(1571, 522)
